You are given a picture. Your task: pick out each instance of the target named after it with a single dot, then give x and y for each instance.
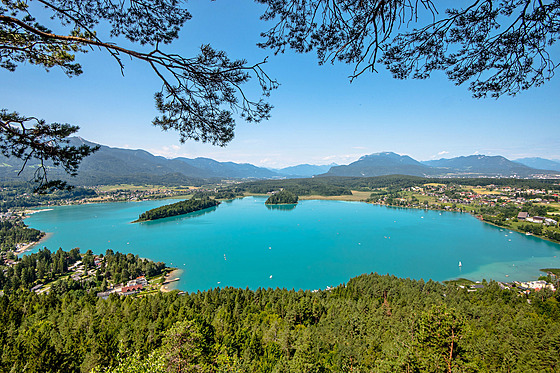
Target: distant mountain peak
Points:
(540, 163)
(382, 163)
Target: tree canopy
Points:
(198, 98)
(281, 198)
(372, 323)
(499, 47)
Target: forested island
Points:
(497, 201)
(282, 197)
(178, 208)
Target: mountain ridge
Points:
(136, 166)
(378, 164)
(540, 163)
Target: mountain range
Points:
(540, 163)
(116, 166)
(378, 164)
(386, 163)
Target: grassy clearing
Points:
(356, 196)
(434, 184)
(485, 191)
(554, 205)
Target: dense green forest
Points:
(300, 187)
(332, 186)
(13, 232)
(178, 208)
(45, 267)
(282, 197)
(219, 194)
(371, 324)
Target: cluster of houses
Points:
(522, 287)
(524, 216)
(79, 270)
(135, 195)
(8, 216)
(534, 285)
(499, 196)
(133, 286)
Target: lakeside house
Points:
(541, 220)
(140, 280)
(133, 289)
(537, 285)
(522, 215)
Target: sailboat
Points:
(460, 264)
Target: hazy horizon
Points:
(314, 164)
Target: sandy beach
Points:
(31, 245)
(171, 280)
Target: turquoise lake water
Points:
(244, 243)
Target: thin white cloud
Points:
(171, 151)
(340, 159)
(439, 154)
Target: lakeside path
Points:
(171, 280)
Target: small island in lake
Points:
(282, 197)
(179, 208)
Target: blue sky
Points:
(319, 116)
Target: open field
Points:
(356, 196)
(484, 191)
(554, 205)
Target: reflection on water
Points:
(282, 207)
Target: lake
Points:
(244, 243)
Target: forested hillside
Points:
(372, 324)
(333, 186)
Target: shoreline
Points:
(477, 217)
(31, 245)
(171, 280)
